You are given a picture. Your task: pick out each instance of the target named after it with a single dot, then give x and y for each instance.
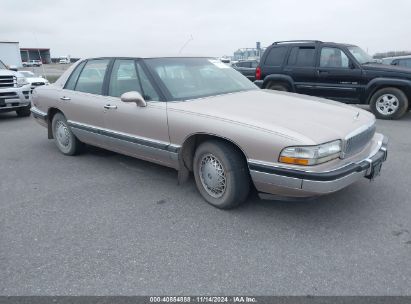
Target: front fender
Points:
(278, 78)
(380, 82)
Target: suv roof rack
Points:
(297, 41)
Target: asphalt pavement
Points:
(106, 224)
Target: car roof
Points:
(149, 57)
(310, 42)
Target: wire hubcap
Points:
(62, 134)
(212, 176)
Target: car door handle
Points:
(65, 98)
(323, 72)
(109, 106)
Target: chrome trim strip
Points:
(38, 113)
(126, 137)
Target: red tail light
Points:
(258, 73)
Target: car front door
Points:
(81, 100)
(131, 129)
(339, 77)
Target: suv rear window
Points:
(302, 56)
(276, 56)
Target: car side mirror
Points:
(135, 97)
(12, 68)
(352, 65)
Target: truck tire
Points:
(389, 103)
(65, 140)
(24, 112)
(221, 174)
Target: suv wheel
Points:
(24, 112)
(221, 174)
(278, 87)
(64, 138)
(389, 103)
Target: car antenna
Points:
(41, 59)
(186, 43)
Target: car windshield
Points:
(2, 66)
(189, 78)
(359, 54)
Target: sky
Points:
(84, 28)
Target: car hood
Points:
(36, 79)
(305, 119)
(7, 73)
(387, 68)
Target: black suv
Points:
(336, 71)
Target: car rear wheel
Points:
(64, 138)
(279, 87)
(389, 103)
(24, 112)
(221, 174)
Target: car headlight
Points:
(311, 155)
(21, 81)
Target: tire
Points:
(279, 87)
(24, 112)
(223, 156)
(65, 140)
(389, 103)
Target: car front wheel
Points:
(64, 138)
(221, 174)
(389, 103)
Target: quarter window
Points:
(333, 58)
(302, 57)
(123, 78)
(92, 77)
(71, 83)
(276, 56)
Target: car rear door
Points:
(82, 102)
(300, 66)
(137, 131)
(339, 76)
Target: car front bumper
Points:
(14, 98)
(289, 183)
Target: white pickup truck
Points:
(15, 92)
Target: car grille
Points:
(357, 142)
(8, 95)
(7, 81)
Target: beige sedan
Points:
(199, 115)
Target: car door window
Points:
(148, 92)
(254, 64)
(123, 78)
(405, 63)
(302, 57)
(92, 77)
(71, 83)
(333, 58)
